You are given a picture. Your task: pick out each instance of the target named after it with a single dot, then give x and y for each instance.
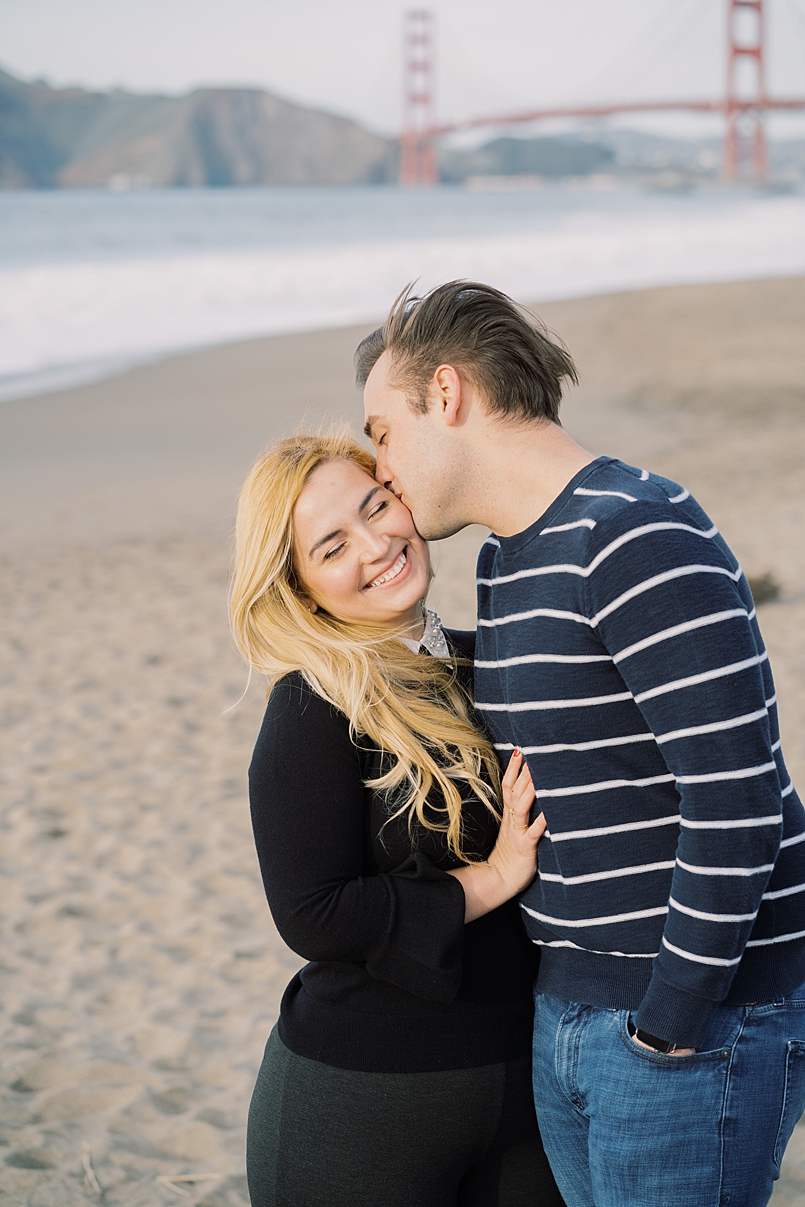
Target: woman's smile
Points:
(393, 573)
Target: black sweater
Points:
(396, 981)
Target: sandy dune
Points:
(140, 971)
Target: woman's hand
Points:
(513, 863)
(515, 854)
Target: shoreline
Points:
(65, 378)
(133, 283)
(142, 974)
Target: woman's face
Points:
(356, 550)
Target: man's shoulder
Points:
(602, 503)
(614, 490)
(618, 501)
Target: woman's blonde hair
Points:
(412, 707)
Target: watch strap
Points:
(666, 1046)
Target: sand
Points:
(140, 971)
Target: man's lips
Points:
(394, 571)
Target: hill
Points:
(51, 137)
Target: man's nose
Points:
(381, 469)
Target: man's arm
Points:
(674, 611)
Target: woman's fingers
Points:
(523, 793)
(518, 798)
(538, 827)
(516, 763)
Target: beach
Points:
(141, 972)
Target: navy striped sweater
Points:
(618, 648)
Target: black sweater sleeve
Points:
(308, 805)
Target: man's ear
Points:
(447, 394)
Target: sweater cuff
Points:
(673, 1014)
(422, 949)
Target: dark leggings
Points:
(325, 1137)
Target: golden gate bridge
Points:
(744, 103)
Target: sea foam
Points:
(62, 322)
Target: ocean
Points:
(94, 281)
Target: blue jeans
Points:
(627, 1127)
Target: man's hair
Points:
(502, 349)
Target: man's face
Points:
(415, 456)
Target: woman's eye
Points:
(381, 507)
(331, 553)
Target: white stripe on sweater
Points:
(784, 892)
(613, 874)
(789, 938)
(689, 955)
(605, 785)
(624, 955)
(705, 917)
(609, 920)
(719, 672)
(658, 579)
(792, 842)
(738, 823)
(625, 828)
(687, 627)
(615, 494)
(703, 871)
(714, 777)
(644, 475)
(787, 791)
(525, 659)
(552, 613)
(586, 571)
(586, 523)
(537, 705)
(680, 498)
(557, 747)
(713, 726)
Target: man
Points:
(618, 648)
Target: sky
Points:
(345, 55)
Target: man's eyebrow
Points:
(368, 426)
(337, 532)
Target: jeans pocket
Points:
(793, 1097)
(668, 1060)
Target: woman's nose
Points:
(377, 544)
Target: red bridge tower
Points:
(417, 151)
(745, 137)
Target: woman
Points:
(399, 1071)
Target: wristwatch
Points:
(659, 1045)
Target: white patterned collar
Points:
(433, 639)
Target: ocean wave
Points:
(65, 322)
